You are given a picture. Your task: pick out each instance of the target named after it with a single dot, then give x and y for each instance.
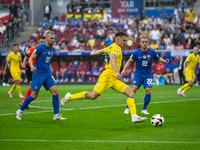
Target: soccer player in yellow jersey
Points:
(191, 61)
(110, 78)
(15, 60)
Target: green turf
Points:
(101, 124)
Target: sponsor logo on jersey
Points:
(134, 81)
(148, 56)
(36, 87)
(144, 56)
(51, 53)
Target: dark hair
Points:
(41, 37)
(120, 34)
(15, 45)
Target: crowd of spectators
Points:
(10, 28)
(89, 27)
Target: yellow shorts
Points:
(190, 76)
(107, 80)
(16, 75)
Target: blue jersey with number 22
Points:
(144, 60)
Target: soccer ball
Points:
(157, 120)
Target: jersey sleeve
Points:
(37, 50)
(105, 50)
(9, 58)
(115, 51)
(133, 55)
(155, 55)
(188, 58)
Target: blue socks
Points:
(147, 99)
(55, 102)
(26, 102)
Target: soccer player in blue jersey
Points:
(143, 57)
(42, 75)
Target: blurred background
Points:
(82, 26)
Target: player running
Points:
(189, 71)
(27, 70)
(143, 57)
(110, 78)
(15, 60)
(42, 75)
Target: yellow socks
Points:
(184, 86)
(131, 105)
(186, 89)
(78, 96)
(19, 89)
(12, 88)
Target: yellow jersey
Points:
(190, 16)
(116, 50)
(14, 60)
(192, 62)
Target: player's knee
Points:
(131, 94)
(34, 96)
(148, 92)
(190, 84)
(93, 97)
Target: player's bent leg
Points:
(92, 95)
(25, 104)
(17, 82)
(134, 89)
(131, 104)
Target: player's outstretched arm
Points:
(163, 60)
(128, 63)
(99, 52)
(114, 65)
(33, 56)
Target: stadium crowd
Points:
(89, 27)
(18, 18)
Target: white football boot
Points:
(144, 112)
(19, 115)
(65, 99)
(138, 119)
(58, 117)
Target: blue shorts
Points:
(140, 79)
(45, 79)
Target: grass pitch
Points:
(101, 124)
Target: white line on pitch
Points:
(63, 109)
(97, 141)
